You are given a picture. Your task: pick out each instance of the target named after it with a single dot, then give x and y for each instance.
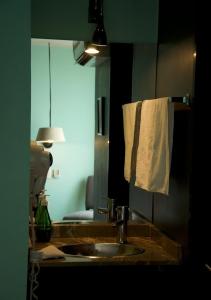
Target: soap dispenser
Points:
(43, 227)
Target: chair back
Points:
(89, 203)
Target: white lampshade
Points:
(50, 135)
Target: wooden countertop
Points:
(159, 249)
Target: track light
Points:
(92, 49)
(99, 37)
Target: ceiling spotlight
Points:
(92, 49)
(99, 37)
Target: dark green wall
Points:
(125, 21)
(14, 153)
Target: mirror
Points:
(72, 88)
(75, 93)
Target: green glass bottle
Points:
(43, 221)
(37, 212)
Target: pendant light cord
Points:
(49, 56)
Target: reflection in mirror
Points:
(76, 85)
(73, 109)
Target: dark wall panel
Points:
(172, 212)
(168, 70)
(113, 81)
(144, 71)
(141, 202)
(102, 89)
(120, 93)
(175, 77)
(175, 68)
(200, 223)
(176, 20)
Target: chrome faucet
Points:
(121, 223)
(110, 210)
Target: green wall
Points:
(73, 109)
(125, 20)
(14, 151)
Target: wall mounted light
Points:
(49, 135)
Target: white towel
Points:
(155, 145)
(51, 252)
(129, 116)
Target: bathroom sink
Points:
(102, 249)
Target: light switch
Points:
(56, 173)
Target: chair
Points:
(87, 214)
